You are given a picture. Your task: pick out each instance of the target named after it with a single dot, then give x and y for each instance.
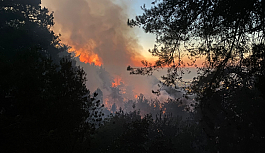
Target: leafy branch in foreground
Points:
(229, 36)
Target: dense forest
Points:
(45, 105)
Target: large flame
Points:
(90, 58)
(85, 52)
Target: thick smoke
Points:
(98, 33)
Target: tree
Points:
(202, 28)
(122, 132)
(23, 25)
(129, 132)
(44, 106)
(44, 103)
(229, 34)
(116, 96)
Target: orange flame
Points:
(86, 52)
(107, 103)
(164, 111)
(117, 81)
(90, 58)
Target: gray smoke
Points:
(98, 28)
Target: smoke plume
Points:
(98, 33)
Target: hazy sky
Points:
(134, 8)
(97, 31)
(82, 24)
(131, 8)
(145, 40)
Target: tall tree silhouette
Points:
(229, 34)
(24, 24)
(44, 103)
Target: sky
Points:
(98, 33)
(131, 8)
(146, 40)
(82, 22)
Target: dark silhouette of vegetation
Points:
(25, 24)
(229, 35)
(128, 132)
(44, 103)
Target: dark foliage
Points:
(44, 107)
(27, 25)
(229, 35)
(44, 103)
(128, 132)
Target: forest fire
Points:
(90, 58)
(117, 81)
(99, 35)
(86, 52)
(107, 104)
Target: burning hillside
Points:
(97, 32)
(104, 45)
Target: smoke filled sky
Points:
(98, 33)
(97, 30)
